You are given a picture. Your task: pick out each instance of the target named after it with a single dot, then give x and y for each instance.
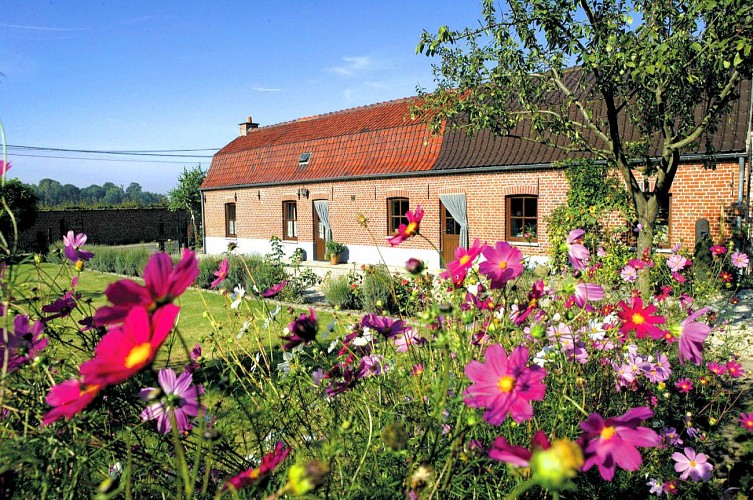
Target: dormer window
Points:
(303, 160)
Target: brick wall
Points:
(106, 226)
(696, 193)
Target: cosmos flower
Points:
(61, 308)
(73, 245)
(128, 348)
(220, 274)
(179, 401)
(503, 263)
(163, 283)
(274, 289)
(684, 385)
(587, 292)
(301, 330)
(405, 232)
(739, 260)
(410, 337)
(676, 262)
(718, 250)
(629, 274)
(734, 369)
(746, 421)
(68, 398)
(238, 293)
(268, 464)
(4, 167)
(692, 335)
(716, 368)
(692, 464)
(614, 441)
(502, 451)
(464, 259)
(636, 317)
(577, 253)
(23, 343)
(387, 327)
(504, 385)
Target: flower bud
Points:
(554, 466)
(303, 479)
(538, 331)
(414, 266)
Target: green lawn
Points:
(205, 316)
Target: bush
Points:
(376, 291)
(339, 291)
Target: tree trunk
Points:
(195, 229)
(647, 212)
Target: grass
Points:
(205, 316)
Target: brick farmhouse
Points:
(307, 180)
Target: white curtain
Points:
(322, 210)
(455, 204)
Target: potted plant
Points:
(334, 249)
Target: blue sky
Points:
(181, 75)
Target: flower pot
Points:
(334, 259)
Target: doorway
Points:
(450, 239)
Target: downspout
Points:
(749, 150)
(203, 226)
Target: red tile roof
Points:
(369, 140)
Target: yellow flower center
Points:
(506, 383)
(503, 265)
(411, 228)
(693, 463)
(607, 432)
(638, 319)
(464, 260)
(138, 355)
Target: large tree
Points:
(186, 195)
(577, 71)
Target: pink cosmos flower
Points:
(692, 464)
(746, 421)
(684, 385)
(68, 398)
(4, 167)
(734, 369)
(73, 246)
(716, 368)
(503, 263)
(464, 259)
(692, 336)
(405, 232)
(629, 274)
(504, 385)
(614, 441)
(739, 260)
(274, 289)
(220, 274)
(636, 317)
(163, 283)
(62, 307)
(126, 349)
(268, 463)
(587, 292)
(405, 340)
(676, 262)
(179, 401)
(387, 327)
(577, 253)
(718, 250)
(502, 451)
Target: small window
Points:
(230, 219)
(396, 210)
(289, 220)
(303, 160)
(522, 218)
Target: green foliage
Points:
(187, 196)
(52, 194)
(22, 202)
(340, 291)
(333, 248)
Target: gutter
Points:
(452, 171)
(203, 226)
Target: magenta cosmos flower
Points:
(268, 463)
(504, 385)
(502, 451)
(274, 289)
(692, 335)
(68, 398)
(73, 246)
(692, 464)
(387, 327)
(503, 263)
(220, 274)
(126, 349)
(4, 167)
(718, 249)
(587, 292)
(614, 441)
(23, 344)
(301, 330)
(163, 283)
(739, 260)
(636, 317)
(577, 253)
(180, 400)
(746, 421)
(411, 229)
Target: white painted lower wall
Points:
(358, 254)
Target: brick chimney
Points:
(247, 126)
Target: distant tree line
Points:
(53, 194)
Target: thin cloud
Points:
(264, 89)
(38, 28)
(353, 65)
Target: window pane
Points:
(516, 207)
(516, 227)
(530, 207)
